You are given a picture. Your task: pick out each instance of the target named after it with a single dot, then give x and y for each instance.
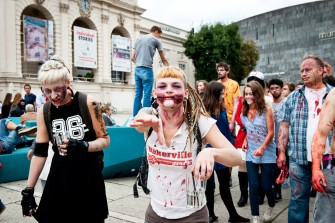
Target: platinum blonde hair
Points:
(53, 70)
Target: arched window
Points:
(37, 39)
(84, 50)
(120, 55)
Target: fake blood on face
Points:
(177, 99)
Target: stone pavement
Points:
(123, 207)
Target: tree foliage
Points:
(217, 43)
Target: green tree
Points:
(216, 43)
(249, 58)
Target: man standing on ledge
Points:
(142, 55)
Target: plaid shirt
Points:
(295, 111)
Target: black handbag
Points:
(143, 172)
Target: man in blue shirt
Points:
(142, 55)
(300, 115)
(29, 98)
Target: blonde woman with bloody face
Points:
(172, 148)
(257, 118)
(74, 190)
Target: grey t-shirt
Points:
(276, 107)
(145, 48)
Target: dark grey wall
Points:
(286, 35)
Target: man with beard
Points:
(231, 96)
(276, 86)
(231, 93)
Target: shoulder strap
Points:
(84, 110)
(46, 114)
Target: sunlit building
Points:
(95, 39)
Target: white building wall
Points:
(104, 18)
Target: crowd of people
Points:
(270, 130)
(276, 126)
(284, 128)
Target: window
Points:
(182, 67)
(273, 29)
(256, 33)
(80, 73)
(118, 77)
(83, 74)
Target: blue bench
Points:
(122, 157)
(15, 166)
(16, 120)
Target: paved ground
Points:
(123, 207)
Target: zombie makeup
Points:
(310, 73)
(175, 114)
(170, 92)
(56, 95)
(170, 101)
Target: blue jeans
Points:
(301, 182)
(144, 78)
(8, 139)
(267, 171)
(324, 206)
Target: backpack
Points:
(143, 172)
(86, 118)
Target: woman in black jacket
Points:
(6, 106)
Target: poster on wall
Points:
(51, 38)
(121, 53)
(35, 39)
(85, 47)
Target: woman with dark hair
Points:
(201, 87)
(257, 117)
(213, 100)
(6, 105)
(16, 108)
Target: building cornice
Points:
(124, 6)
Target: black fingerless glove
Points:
(76, 147)
(28, 202)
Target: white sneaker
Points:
(268, 214)
(255, 219)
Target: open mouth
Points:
(177, 99)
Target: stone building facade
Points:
(285, 35)
(105, 18)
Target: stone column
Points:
(64, 35)
(8, 39)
